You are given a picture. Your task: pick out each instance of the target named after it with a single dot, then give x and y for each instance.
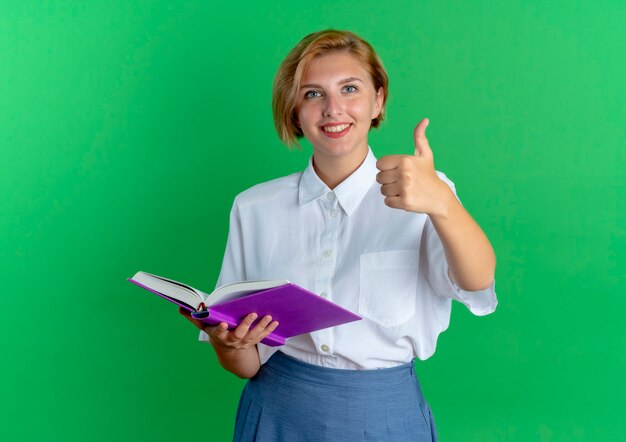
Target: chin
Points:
(336, 151)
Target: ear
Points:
(378, 106)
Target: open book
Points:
(296, 309)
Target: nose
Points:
(332, 106)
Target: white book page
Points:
(240, 289)
(171, 288)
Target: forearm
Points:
(244, 363)
(470, 257)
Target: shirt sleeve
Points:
(480, 302)
(233, 269)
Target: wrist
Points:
(446, 202)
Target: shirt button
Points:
(325, 348)
(334, 213)
(327, 253)
(330, 196)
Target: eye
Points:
(312, 94)
(350, 88)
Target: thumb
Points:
(422, 148)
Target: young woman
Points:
(387, 239)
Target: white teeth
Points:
(335, 128)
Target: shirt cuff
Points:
(203, 337)
(479, 302)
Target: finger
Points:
(388, 176)
(388, 162)
(393, 189)
(395, 202)
(269, 329)
(219, 331)
(219, 328)
(422, 148)
(244, 326)
(260, 327)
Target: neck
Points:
(334, 170)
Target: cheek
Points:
(362, 110)
(305, 117)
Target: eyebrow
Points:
(344, 81)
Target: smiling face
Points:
(336, 104)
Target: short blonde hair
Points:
(289, 76)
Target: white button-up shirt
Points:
(345, 244)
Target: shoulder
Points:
(267, 191)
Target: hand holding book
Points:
(241, 337)
(236, 349)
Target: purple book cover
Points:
(296, 309)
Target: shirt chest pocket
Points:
(388, 286)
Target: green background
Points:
(127, 128)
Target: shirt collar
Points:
(351, 190)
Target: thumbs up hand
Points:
(409, 182)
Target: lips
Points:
(336, 130)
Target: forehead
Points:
(335, 66)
